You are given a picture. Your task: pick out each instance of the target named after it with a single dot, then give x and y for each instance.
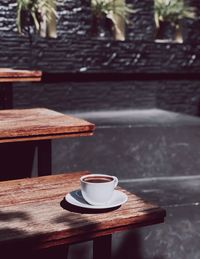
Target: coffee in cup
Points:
(97, 189)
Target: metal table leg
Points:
(6, 96)
(44, 157)
(57, 252)
(102, 247)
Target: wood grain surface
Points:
(40, 123)
(14, 75)
(33, 212)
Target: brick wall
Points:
(82, 72)
(76, 50)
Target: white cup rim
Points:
(98, 175)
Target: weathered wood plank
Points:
(32, 211)
(14, 75)
(40, 123)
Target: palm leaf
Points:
(37, 9)
(173, 11)
(112, 7)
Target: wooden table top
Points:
(33, 211)
(16, 75)
(40, 123)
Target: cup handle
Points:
(115, 181)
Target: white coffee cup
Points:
(97, 189)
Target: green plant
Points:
(110, 8)
(117, 11)
(172, 11)
(30, 13)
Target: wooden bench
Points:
(8, 76)
(39, 126)
(36, 220)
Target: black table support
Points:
(6, 96)
(44, 157)
(102, 247)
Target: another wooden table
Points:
(16, 75)
(8, 76)
(34, 216)
(40, 126)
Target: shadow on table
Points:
(20, 248)
(67, 206)
(9, 250)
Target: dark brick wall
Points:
(77, 96)
(72, 56)
(76, 50)
(175, 95)
(137, 73)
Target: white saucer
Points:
(76, 198)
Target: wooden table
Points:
(40, 126)
(8, 76)
(34, 216)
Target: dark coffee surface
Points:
(97, 179)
